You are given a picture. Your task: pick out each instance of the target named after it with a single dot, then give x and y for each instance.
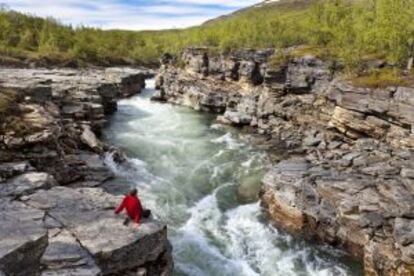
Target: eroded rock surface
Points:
(343, 155)
(23, 239)
(87, 217)
(54, 218)
(65, 256)
(26, 183)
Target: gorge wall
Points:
(344, 163)
(56, 219)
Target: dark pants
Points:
(145, 214)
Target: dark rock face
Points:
(346, 172)
(55, 220)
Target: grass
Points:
(8, 102)
(20, 127)
(8, 99)
(380, 78)
(278, 60)
(180, 64)
(282, 57)
(304, 50)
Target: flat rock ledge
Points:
(55, 219)
(343, 156)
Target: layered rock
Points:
(55, 220)
(354, 200)
(346, 153)
(380, 113)
(59, 112)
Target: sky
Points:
(129, 14)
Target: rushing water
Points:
(199, 177)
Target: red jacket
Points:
(133, 207)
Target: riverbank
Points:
(343, 155)
(56, 219)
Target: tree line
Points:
(349, 31)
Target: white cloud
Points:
(127, 14)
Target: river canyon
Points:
(249, 168)
(202, 179)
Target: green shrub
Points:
(347, 30)
(380, 78)
(279, 59)
(304, 50)
(7, 100)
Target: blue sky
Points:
(130, 14)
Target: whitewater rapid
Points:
(200, 178)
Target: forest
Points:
(349, 31)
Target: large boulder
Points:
(88, 214)
(89, 138)
(130, 81)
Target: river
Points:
(199, 178)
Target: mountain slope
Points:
(346, 30)
(285, 5)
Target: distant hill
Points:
(267, 4)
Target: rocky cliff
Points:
(344, 170)
(55, 218)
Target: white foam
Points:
(219, 153)
(205, 218)
(228, 140)
(150, 83)
(250, 247)
(217, 126)
(248, 163)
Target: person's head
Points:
(133, 192)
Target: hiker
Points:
(133, 207)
